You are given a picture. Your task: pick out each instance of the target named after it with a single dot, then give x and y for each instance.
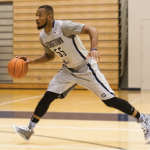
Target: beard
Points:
(41, 27)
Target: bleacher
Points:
(102, 14)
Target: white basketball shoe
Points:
(145, 124)
(25, 132)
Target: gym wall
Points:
(138, 51)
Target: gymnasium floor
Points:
(78, 122)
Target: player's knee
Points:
(115, 102)
(48, 98)
(108, 102)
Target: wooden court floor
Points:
(79, 122)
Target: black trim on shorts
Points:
(98, 79)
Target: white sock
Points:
(33, 124)
(141, 117)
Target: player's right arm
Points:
(49, 55)
(42, 59)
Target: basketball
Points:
(17, 68)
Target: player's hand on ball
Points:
(27, 60)
(93, 55)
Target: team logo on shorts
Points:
(103, 95)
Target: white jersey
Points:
(66, 45)
(64, 41)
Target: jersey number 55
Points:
(60, 52)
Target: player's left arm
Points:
(93, 33)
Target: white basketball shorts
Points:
(87, 75)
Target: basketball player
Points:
(79, 67)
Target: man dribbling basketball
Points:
(79, 67)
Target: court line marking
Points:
(68, 105)
(20, 100)
(41, 96)
(79, 128)
(132, 102)
(55, 147)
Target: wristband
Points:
(93, 49)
